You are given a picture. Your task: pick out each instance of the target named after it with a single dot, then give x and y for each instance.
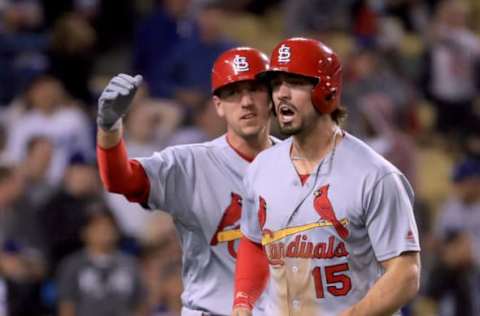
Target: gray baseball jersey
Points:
(200, 185)
(325, 239)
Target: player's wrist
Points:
(109, 126)
(242, 300)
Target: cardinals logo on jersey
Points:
(240, 64)
(284, 54)
(262, 212)
(324, 208)
(230, 217)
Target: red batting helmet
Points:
(238, 64)
(311, 58)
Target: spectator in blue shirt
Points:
(155, 39)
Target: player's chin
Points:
(289, 128)
(251, 130)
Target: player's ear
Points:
(218, 106)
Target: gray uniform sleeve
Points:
(389, 217)
(171, 176)
(249, 223)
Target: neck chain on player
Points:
(333, 139)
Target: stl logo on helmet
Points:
(284, 54)
(240, 64)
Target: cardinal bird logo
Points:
(324, 208)
(230, 217)
(262, 212)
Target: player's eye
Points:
(255, 87)
(294, 81)
(275, 83)
(227, 92)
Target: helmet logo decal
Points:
(284, 54)
(240, 64)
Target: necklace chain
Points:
(298, 157)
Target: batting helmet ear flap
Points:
(327, 92)
(325, 101)
(331, 96)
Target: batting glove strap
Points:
(107, 126)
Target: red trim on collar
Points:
(242, 155)
(304, 178)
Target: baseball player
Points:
(333, 217)
(200, 185)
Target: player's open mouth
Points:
(286, 113)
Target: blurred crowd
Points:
(411, 86)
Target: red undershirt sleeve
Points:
(251, 273)
(121, 175)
